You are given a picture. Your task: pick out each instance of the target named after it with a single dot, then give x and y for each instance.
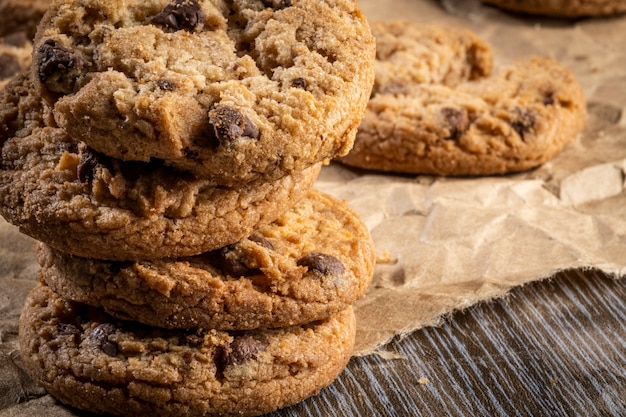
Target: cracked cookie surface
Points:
(512, 121)
(88, 360)
(313, 261)
(232, 91)
(63, 193)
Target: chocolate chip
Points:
(322, 263)
(230, 124)
(276, 4)
(166, 85)
(57, 67)
(548, 99)
(261, 241)
(299, 83)
(8, 66)
(89, 161)
(457, 122)
(242, 349)
(524, 122)
(180, 14)
(231, 264)
(100, 337)
(250, 130)
(66, 329)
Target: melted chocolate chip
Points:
(524, 122)
(100, 337)
(230, 124)
(8, 66)
(66, 329)
(89, 161)
(299, 83)
(457, 122)
(242, 349)
(548, 99)
(276, 4)
(261, 241)
(322, 263)
(57, 66)
(231, 264)
(180, 14)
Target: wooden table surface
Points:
(552, 348)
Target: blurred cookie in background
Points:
(562, 8)
(21, 16)
(480, 124)
(15, 55)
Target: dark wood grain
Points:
(551, 348)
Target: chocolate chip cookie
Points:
(563, 8)
(513, 121)
(313, 261)
(80, 201)
(233, 92)
(92, 362)
(15, 55)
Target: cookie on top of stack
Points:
(163, 154)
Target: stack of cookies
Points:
(164, 155)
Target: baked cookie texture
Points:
(163, 154)
(512, 121)
(411, 53)
(313, 261)
(82, 202)
(233, 92)
(562, 8)
(15, 55)
(123, 369)
(21, 16)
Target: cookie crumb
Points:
(386, 258)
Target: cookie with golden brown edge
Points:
(562, 8)
(77, 200)
(233, 92)
(312, 262)
(513, 121)
(92, 362)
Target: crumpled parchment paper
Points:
(445, 243)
